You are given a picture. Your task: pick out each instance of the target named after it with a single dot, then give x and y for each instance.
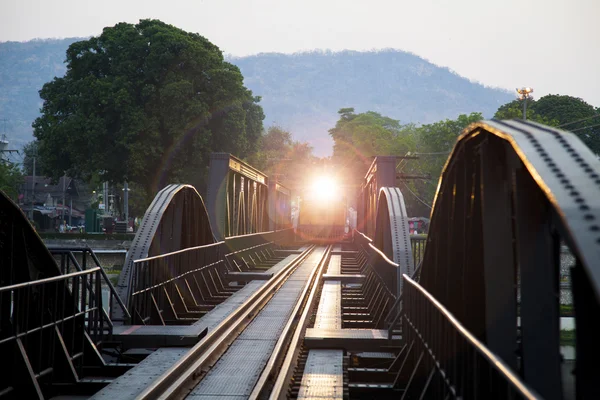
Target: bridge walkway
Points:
(323, 375)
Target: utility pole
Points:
(33, 189)
(126, 202)
(105, 197)
(524, 94)
(64, 196)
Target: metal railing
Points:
(384, 268)
(183, 285)
(394, 316)
(385, 273)
(237, 261)
(388, 268)
(178, 286)
(446, 360)
(52, 326)
(241, 242)
(388, 271)
(68, 263)
(418, 243)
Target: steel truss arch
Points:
(49, 320)
(176, 219)
(23, 255)
(239, 197)
(510, 194)
(392, 235)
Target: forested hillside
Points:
(301, 92)
(24, 68)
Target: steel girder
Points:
(509, 194)
(176, 219)
(237, 197)
(382, 215)
(381, 173)
(279, 207)
(392, 234)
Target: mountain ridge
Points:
(301, 92)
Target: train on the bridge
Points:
(323, 214)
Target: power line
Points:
(579, 120)
(439, 153)
(417, 197)
(585, 127)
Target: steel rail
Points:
(286, 371)
(186, 373)
(296, 327)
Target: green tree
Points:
(145, 103)
(11, 179)
(279, 155)
(514, 110)
(359, 137)
(434, 142)
(567, 112)
(575, 114)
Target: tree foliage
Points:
(514, 110)
(434, 143)
(145, 103)
(569, 113)
(10, 179)
(280, 156)
(360, 137)
(567, 110)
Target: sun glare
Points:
(324, 188)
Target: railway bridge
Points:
(223, 298)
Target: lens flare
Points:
(324, 188)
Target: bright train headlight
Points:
(324, 188)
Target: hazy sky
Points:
(550, 45)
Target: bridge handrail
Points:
(365, 237)
(49, 279)
(141, 260)
(379, 263)
(256, 246)
(72, 296)
(383, 256)
(391, 318)
(243, 242)
(428, 328)
(174, 278)
(70, 259)
(255, 234)
(160, 284)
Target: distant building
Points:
(47, 201)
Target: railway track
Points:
(253, 352)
